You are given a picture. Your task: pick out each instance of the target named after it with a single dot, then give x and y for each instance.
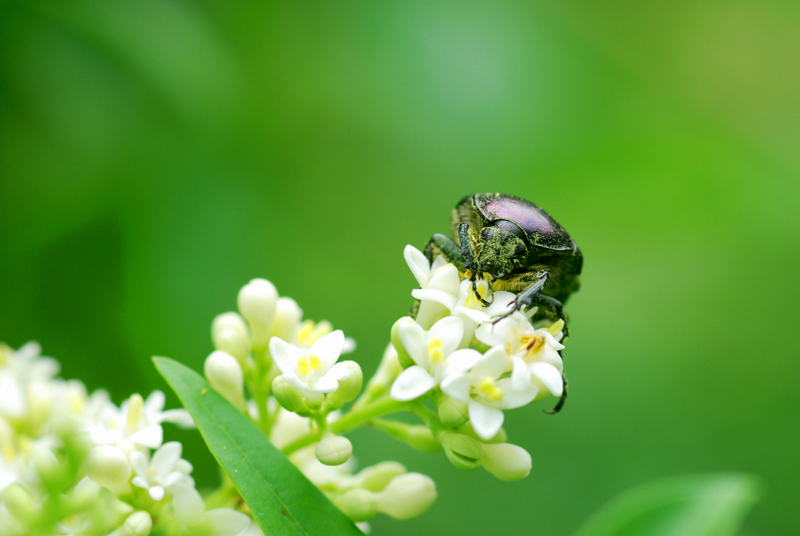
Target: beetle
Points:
(520, 247)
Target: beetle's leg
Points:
(561, 399)
(440, 244)
(467, 250)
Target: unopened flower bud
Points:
(109, 467)
(287, 319)
(257, 302)
(463, 451)
(376, 477)
(402, 354)
(348, 389)
(288, 397)
(334, 450)
(357, 503)
(418, 436)
(452, 412)
(18, 501)
(314, 399)
(506, 461)
(229, 333)
(406, 496)
(224, 374)
(138, 524)
(47, 467)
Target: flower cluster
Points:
(284, 373)
(75, 463)
(475, 360)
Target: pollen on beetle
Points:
(435, 351)
(488, 389)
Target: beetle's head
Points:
(503, 249)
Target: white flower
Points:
(431, 352)
(161, 472)
(533, 353)
(315, 371)
(190, 511)
(18, 370)
(483, 391)
(438, 282)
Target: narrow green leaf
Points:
(282, 500)
(712, 505)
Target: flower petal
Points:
(449, 331)
(139, 463)
(284, 355)
(226, 522)
(326, 384)
(155, 402)
(460, 361)
(157, 493)
(412, 383)
(492, 364)
(502, 301)
(445, 279)
(140, 482)
(413, 338)
(166, 457)
(520, 375)
(188, 504)
(550, 377)
(515, 399)
(485, 421)
(456, 386)
(328, 348)
(418, 264)
(150, 436)
(437, 296)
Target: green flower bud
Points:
(506, 461)
(138, 524)
(334, 450)
(452, 412)
(463, 451)
(406, 496)
(357, 503)
(287, 319)
(500, 437)
(421, 438)
(314, 400)
(288, 397)
(376, 478)
(224, 374)
(257, 302)
(402, 355)
(229, 333)
(109, 467)
(19, 502)
(348, 389)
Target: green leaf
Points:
(712, 505)
(282, 500)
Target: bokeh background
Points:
(155, 156)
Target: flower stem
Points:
(299, 443)
(356, 418)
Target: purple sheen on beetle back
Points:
(519, 211)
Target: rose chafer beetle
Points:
(516, 246)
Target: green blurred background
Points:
(155, 156)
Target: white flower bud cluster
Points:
(476, 360)
(108, 463)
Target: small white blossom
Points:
(190, 511)
(484, 392)
(161, 472)
(313, 372)
(438, 282)
(431, 352)
(533, 353)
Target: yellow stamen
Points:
(8, 453)
(5, 353)
(472, 299)
(489, 390)
(303, 366)
(435, 351)
(304, 333)
(532, 343)
(135, 410)
(314, 362)
(556, 327)
(309, 331)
